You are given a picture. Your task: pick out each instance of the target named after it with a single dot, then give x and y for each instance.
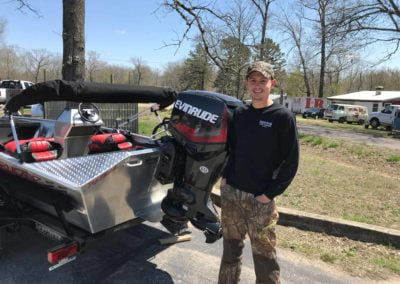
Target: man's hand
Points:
(263, 199)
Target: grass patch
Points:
(148, 122)
(326, 257)
(377, 262)
(316, 140)
(357, 218)
(393, 159)
(390, 263)
(349, 181)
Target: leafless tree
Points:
(37, 59)
(262, 8)
(9, 59)
(376, 20)
(138, 68)
(92, 64)
(294, 28)
(3, 24)
(218, 29)
(25, 5)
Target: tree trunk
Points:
(73, 68)
(305, 74)
(322, 11)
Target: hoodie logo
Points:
(265, 124)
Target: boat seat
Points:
(107, 142)
(35, 149)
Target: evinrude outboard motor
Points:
(193, 158)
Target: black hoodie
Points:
(263, 150)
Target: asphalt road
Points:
(391, 143)
(135, 256)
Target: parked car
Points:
(314, 112)
(357, 114)
(383, 118)
(11, 87)
(396, 124)
(346, 113)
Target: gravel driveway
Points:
(391, 143)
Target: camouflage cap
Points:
(262, 67)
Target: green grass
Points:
(357, 218)
(316, 140)
(369, 261)
(349, 181)
(391, 263)
(393, 159)
(328, 258)
(148, 122)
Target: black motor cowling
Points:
(199, 126)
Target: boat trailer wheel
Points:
(91, 114)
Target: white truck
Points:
(11, 87)
(383, 118)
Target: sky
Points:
(117, 29)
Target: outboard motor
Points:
(199, 126)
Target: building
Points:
(373, 100)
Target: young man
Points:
(263, 160)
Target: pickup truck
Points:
(383, 118)
(10, 87)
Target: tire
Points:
(374, 123)
(361, 122)
(349, 122)
(341, 120)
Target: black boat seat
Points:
(107, 142)
(35, 149)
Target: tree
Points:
(322, 9)
(217, 29)
(234, 55)
(73, 40)
(138, 70)
(262, 8)
(293, 27)
(3, 24)
(36, 60)
(334, 44)
(295, 84)
(171, 76)
(197, 70)
(9, 59)
(92, 64)
(376, 20)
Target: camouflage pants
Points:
(241, 214)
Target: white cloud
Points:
(121, 32)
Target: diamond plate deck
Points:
(80, 170)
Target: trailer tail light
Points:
(55, 255)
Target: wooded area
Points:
(317, 47)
